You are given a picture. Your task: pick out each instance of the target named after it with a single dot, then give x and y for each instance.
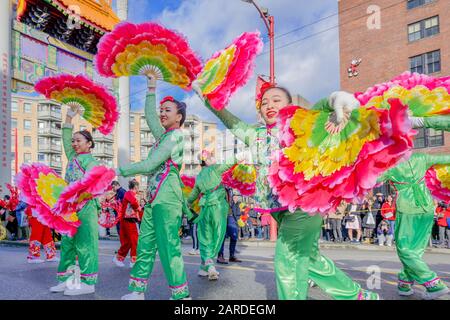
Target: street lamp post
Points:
(269, 22)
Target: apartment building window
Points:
(428, 138)
(424, 28)
(13, 123)
(417, 3)
(427, 63)
(131, 121)
(131, 135)
(27, 107)
(132, 152)
(41, 157)
(83, 128)
(27, 157)
(27, 124)
(14, 106)
(27, 141)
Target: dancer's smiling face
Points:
(169, 116)
(273, 100)
(81, 144)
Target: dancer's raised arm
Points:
(151, 116)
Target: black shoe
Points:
(221, 260)
(234, 259)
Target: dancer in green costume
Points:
(163, 212)
(212, 221)
(297, 256)
(414, 222)
(84, 244)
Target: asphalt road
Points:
(251, 279)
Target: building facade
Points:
(389, 37)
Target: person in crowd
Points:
(443, 218)
(265, 224)
(12, 225)
(388, 212)
(377, 204)
(253, 223)
(335, 221)
(119, 194)
(353, 221)
(129, 229)
(195, 244)
(22, 220)
(385, 234)
(232, 232)
(368, 221)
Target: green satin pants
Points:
(412, 235)
(159, 233)
(297, 259)
(212, 226)
(83, 245)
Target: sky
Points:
(306, 45)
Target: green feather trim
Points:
(319, 133)
(417, 107)
(352, 125)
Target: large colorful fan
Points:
(98, 105)
(147, 49)
(94, 183)
(187, 187)
(107, 217)
(228, 70)
(241, 177)
(319, 166)
(437, 180)
(425, 95)
(53, 202)
(40, 188)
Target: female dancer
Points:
(414, 222)
(297, 256)
(84, 244)
(162, 213)
(212, 221)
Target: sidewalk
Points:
(331, 245)
(265, 244)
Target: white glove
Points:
(151, 83)
(342, 102)
(196, 87)
(417, 122)
(72, 113)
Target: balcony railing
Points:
(49, 132)
(102, 138)
(50, 148)
(50, 115)
(104, 152)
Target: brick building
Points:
(393, 36)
